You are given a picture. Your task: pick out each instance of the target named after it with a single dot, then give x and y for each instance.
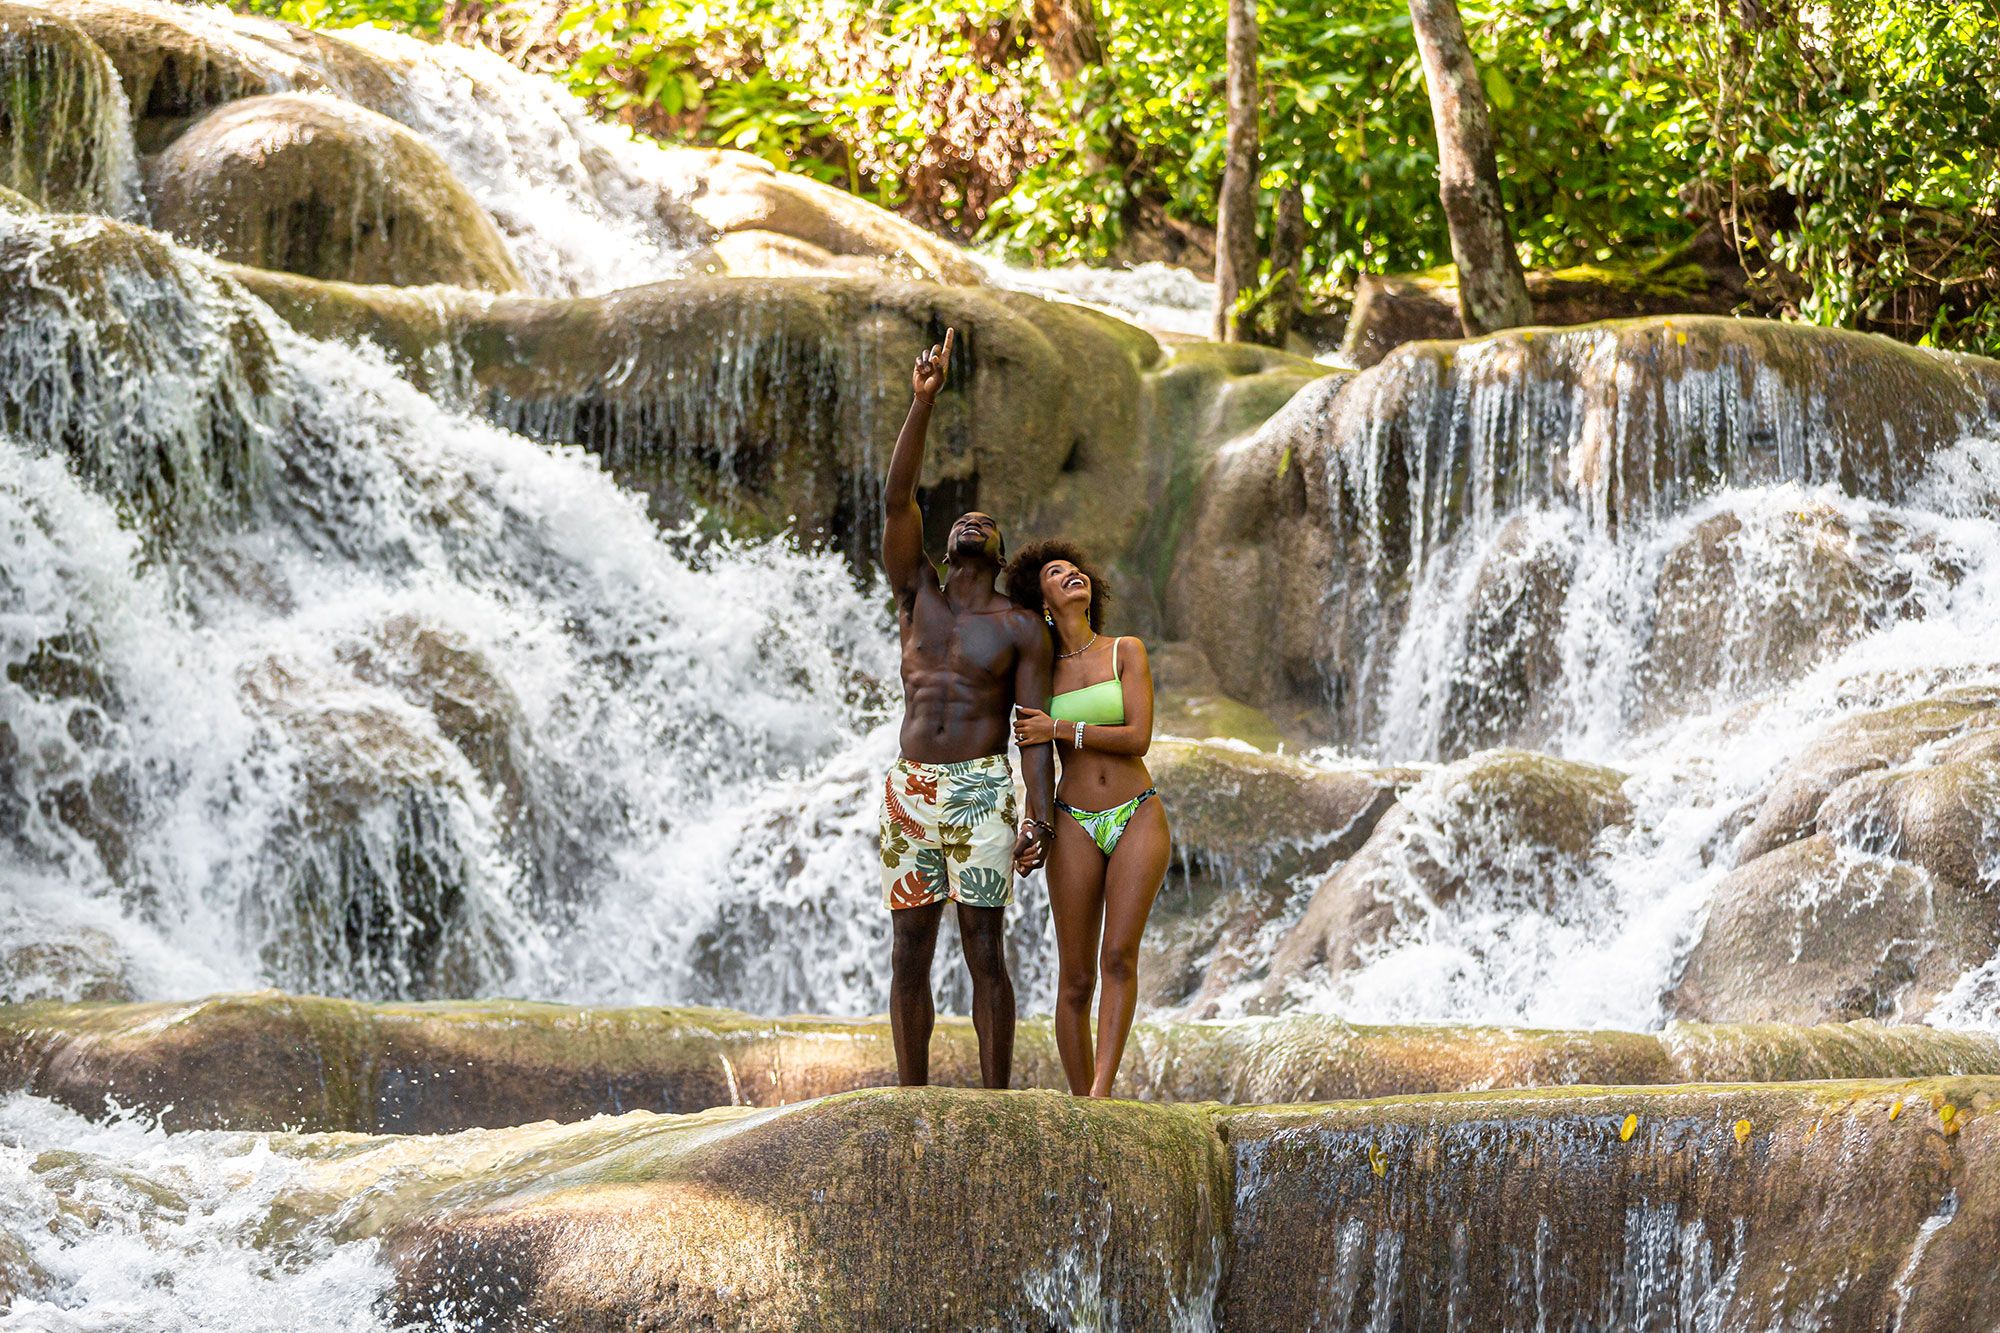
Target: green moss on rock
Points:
(65, 139)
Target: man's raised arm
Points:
(902, 521)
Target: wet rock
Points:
(1250, 831)
(1364, 484)
(89, 308)
(178, 62)
(77, 964)
(1251, 564)
(1867, 742)
(320, 187)
(65, 140)
(1391, 309)
(378, 876)
(773, 403)
(1814, 932)
(769, 222)
(1506, 824)
(1507, 651)
(1838, 1205)
(1053, 1212)
(1736, 609)
(1887, 899)
(267, 1060)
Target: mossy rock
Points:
(1044, 1209)
(1864, 743)
(1396, 308)
(1859, 1204)
(1248, 829)
(178, 62)
(89, 307)
(1361, 481)
(1501, 818)
(65, 140)
(771, 404)
(1877, 916)
(317, 186)
(268, 1060)
(1836, 1205)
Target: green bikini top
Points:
(1099, 705)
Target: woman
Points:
(1111, 842)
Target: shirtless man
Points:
(948, 831)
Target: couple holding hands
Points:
(998, 646)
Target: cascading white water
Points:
(1692, 646)
(428, 709)
(118, 1226)
(329, 686)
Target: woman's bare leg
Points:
(1076, 900)
(1132, 880)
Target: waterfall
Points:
(1680, 575)
(329, 687)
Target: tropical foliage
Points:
(1844, 148)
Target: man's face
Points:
(974, 534)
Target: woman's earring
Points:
(1046, 616)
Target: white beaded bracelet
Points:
(1079, 735)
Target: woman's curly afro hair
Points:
(1023, 578)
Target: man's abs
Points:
(945, 722)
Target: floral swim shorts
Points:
(948, 832)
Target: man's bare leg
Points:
(983, 931)
(911, 1011)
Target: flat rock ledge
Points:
(1840, 1205)
(271, 1061)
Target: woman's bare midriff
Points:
(1096, 781)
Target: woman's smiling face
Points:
(1064, 585)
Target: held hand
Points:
(1030, 850)
(1033, 727)
(928, 377)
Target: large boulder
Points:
(1365, 488)
(1252, 833)
(89, 308)
(379, 873)
(1866, 886)
(1843, 1205)
(314, 185)
(1031, 1209)
(265, 1060)
(65, 137)
(1827, 1205)
(177, 62)
(768, 222)
(771, 404)
(1505, 825)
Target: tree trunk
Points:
(1236, 212)
(1288, 256)
(1066, 32)
(1492, 290)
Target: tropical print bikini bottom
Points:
(1106, 827)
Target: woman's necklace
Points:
(1084, 649)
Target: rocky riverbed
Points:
(438, 532)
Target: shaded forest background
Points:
(1845, 154)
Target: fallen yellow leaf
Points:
(1626, 1130)
(1681, 339)
(1742, 1130)
(1949, 1115)
(1896, 1109)
(1378, 1162)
